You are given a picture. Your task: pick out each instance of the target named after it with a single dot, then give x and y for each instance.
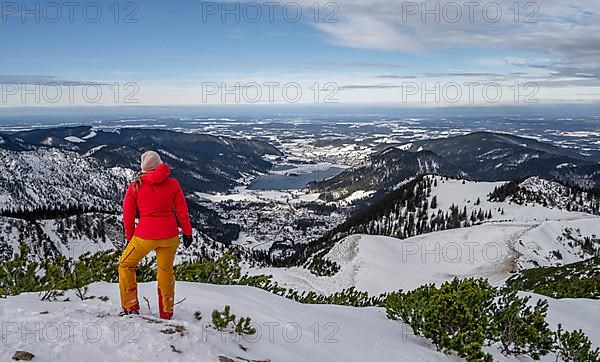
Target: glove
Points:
(187, 241)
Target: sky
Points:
(382, 52)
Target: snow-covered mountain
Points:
(201, 162)
(384, 171)
(538, 191)
(60, 202)
(53, 179)
(480, 156)
(410, 244)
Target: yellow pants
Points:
(135, 251)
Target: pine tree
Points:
(520, 328)
(433, 202)
(575, 346)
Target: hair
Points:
(137, 181)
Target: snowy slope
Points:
(49, 178)
(516, 237)
(453, 191)
(286, 330)
(548, 243)
(541, 237)
(70, 236)
(379, 264)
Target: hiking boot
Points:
(128, 312)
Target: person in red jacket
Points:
(159, 202)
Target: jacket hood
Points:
(158, 175)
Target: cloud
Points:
(464, 77)
(462, 74)
(562, 36)
(394, 76)
(366, 32)
(370, 86)
(355, 65)
(43, 80)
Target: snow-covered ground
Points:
(242, 193)
(286, 330)
(537, 244)
(378, 264)
(573, 313)
(355, 196)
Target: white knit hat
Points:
(150, 160)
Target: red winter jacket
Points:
(159, 203)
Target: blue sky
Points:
(370, 53)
